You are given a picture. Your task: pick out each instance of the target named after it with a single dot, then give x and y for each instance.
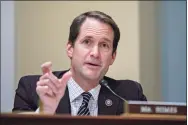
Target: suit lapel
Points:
(107, 102)
(64, 105)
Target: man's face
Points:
(91, 55)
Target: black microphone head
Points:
(103, 82)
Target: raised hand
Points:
(51, 89)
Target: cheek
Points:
(80, 53)
(107, 60)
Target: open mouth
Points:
(93, 64)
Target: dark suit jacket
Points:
(26, 98)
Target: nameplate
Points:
(152, 107)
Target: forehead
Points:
(97, 29)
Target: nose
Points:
(95, 52)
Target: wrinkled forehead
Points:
(95, 28)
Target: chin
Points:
(92, 76)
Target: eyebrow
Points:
(106, 39)
(90, 37)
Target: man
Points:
(92, 45)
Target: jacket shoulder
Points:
(126, 82)
(26, 97)
(128, 89)
(31, 80)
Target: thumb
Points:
(66, 77)
(46, 67)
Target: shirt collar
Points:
(95, 92)
(75, 90)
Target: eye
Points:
(104, 45)
(87, 41)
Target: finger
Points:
(47, 82)
(46, 67)
(65, 78)
(53, 79)
(44, 76)
(44, 90)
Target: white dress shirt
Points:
(76, 98)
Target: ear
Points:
(69, 50)
(113, 58)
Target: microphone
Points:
(105, 83)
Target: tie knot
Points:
(86, 96)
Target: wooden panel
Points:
(128, 119)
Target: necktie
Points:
(84, 110)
